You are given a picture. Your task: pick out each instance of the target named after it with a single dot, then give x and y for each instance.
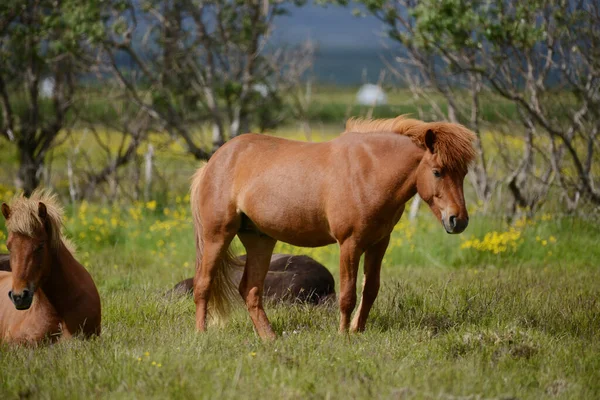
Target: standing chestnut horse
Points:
(47, 294)
(351, 190)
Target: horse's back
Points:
(270, 185)
(310, 194)
(290, 278)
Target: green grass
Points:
(451, 320)
(434, 333)
(505, 310)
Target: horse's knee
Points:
(201, 290)
(252, 298)
(347, 301)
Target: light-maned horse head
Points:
(448, 152)
(34, 232)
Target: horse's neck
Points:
(62, 285)
(403, 164)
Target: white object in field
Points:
(261, 89)
(148, 163)
(47, 88)
(370, 94)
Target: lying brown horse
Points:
(48, 294)
(351, 190)
(290, 279)
(4, 262)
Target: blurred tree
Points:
(45, 49)
(199, 61)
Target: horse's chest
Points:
(33, 330)
(31, 326)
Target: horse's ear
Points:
(430, 140)
(6, 211)
(42, 211)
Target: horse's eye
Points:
(437, 173)
(40, 247)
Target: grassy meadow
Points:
(506, 310)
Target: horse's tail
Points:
(223, 292)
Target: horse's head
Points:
(29, 253)
(441, 186)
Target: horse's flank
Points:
(291, 278)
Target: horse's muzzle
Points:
(21, 301)
(455, 225)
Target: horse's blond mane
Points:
(453, 142)
(25, 219)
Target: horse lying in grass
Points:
(4, 262)
(47, 294)
(351, 190)
(290, 279)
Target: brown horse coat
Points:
(351, 190)
(47, 294)
(4, 262)
(290, 278)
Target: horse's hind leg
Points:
(259, 250)
(373, 257)
(213, 250)
(349, 260)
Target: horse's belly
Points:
(298, 229)
(304, 239)
(287, 211)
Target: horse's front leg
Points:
(373, 257)
(349, 261)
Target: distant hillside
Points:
(349, 46)
(332, 27)
(348, 67)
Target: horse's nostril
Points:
(26, 295)
(452, 221)
(10, 294)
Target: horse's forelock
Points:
(25, 219)
(453, 144)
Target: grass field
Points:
(502, 311)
